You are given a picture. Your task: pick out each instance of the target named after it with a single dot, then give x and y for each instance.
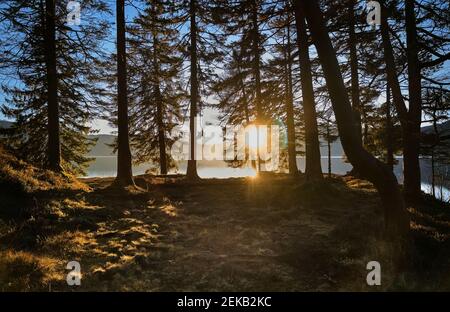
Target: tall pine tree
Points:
(53, 89)
(154, 84)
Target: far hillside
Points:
(103, 146)
(105, 141)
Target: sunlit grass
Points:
(21, 271)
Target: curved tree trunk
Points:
(396, 219)
(124, 169)
(313, 169)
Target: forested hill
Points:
(103, 146)
(442, 128)
(5, 124)
(104, 141)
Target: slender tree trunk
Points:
(396, 218)
(354, 80)
(247, 115)
(257, 75)
(54, 144)
(329, 147)
(292, 154)
(244, 94)
(407, 119)
(191, 172)
(436, 132)
(313, 169)
(412, 145)
(161, 131)
(389, 140)
(124, 170)
(159, 104)
(356, 103)
(256, 60)
(433, 184)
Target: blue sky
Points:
(131, 11)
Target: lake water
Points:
(105, 166)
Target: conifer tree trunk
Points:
(433, 183)
(356, 103)
(161, 131)
(246, 110)
(124, 169)
(159, 104)
(396, 219)
(257, 75)
(409, 120)
(54, 144)
(191, 172)
(412, 144)
(256, 60)
(292, 153)
(389, 141)
(244, 95)
(433, 169)
(329, 147)
(313, 169)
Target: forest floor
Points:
(271, 233)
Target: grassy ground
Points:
(266, 234)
